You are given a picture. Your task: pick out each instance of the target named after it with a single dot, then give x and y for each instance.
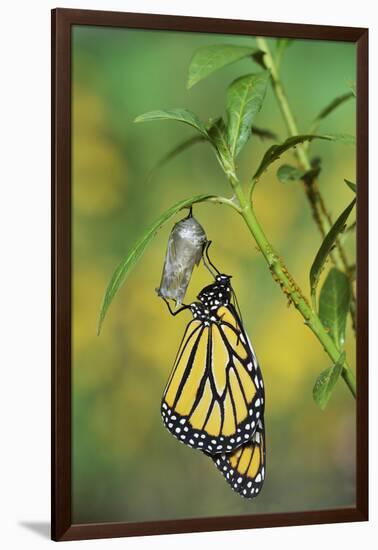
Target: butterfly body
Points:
(214, 397)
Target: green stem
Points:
(315, 198)
(289, 287)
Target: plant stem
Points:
(289, 287)
(319, 211)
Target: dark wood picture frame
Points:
(62, 21)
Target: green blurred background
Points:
(126, 466)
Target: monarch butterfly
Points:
(214, 397)
(244, 469)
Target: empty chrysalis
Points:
(184, 251)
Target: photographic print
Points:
(213, 189)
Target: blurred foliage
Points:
(126, 466)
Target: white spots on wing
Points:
(258, 478)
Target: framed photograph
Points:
(209, 274)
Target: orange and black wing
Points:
(214, 396)
(244, 468)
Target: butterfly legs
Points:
(173, 313)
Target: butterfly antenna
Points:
(206, 260)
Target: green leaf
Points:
(334, 303)
(129, 261)
(263, 133)
(186, 144)
(209, 59)
(218, 136)
(287, 173)
(326, 382)
(181, 115)
(275, 151)
(244, 100)
(333, 105)
(346, 139)
(352, 272)
(327, 245)
(351, 185)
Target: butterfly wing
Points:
(244, 469)
(214, 396)
(246, 387)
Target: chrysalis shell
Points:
(184, 251)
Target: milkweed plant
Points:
(326, 309)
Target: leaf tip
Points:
(100, 321)
(190, 83)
